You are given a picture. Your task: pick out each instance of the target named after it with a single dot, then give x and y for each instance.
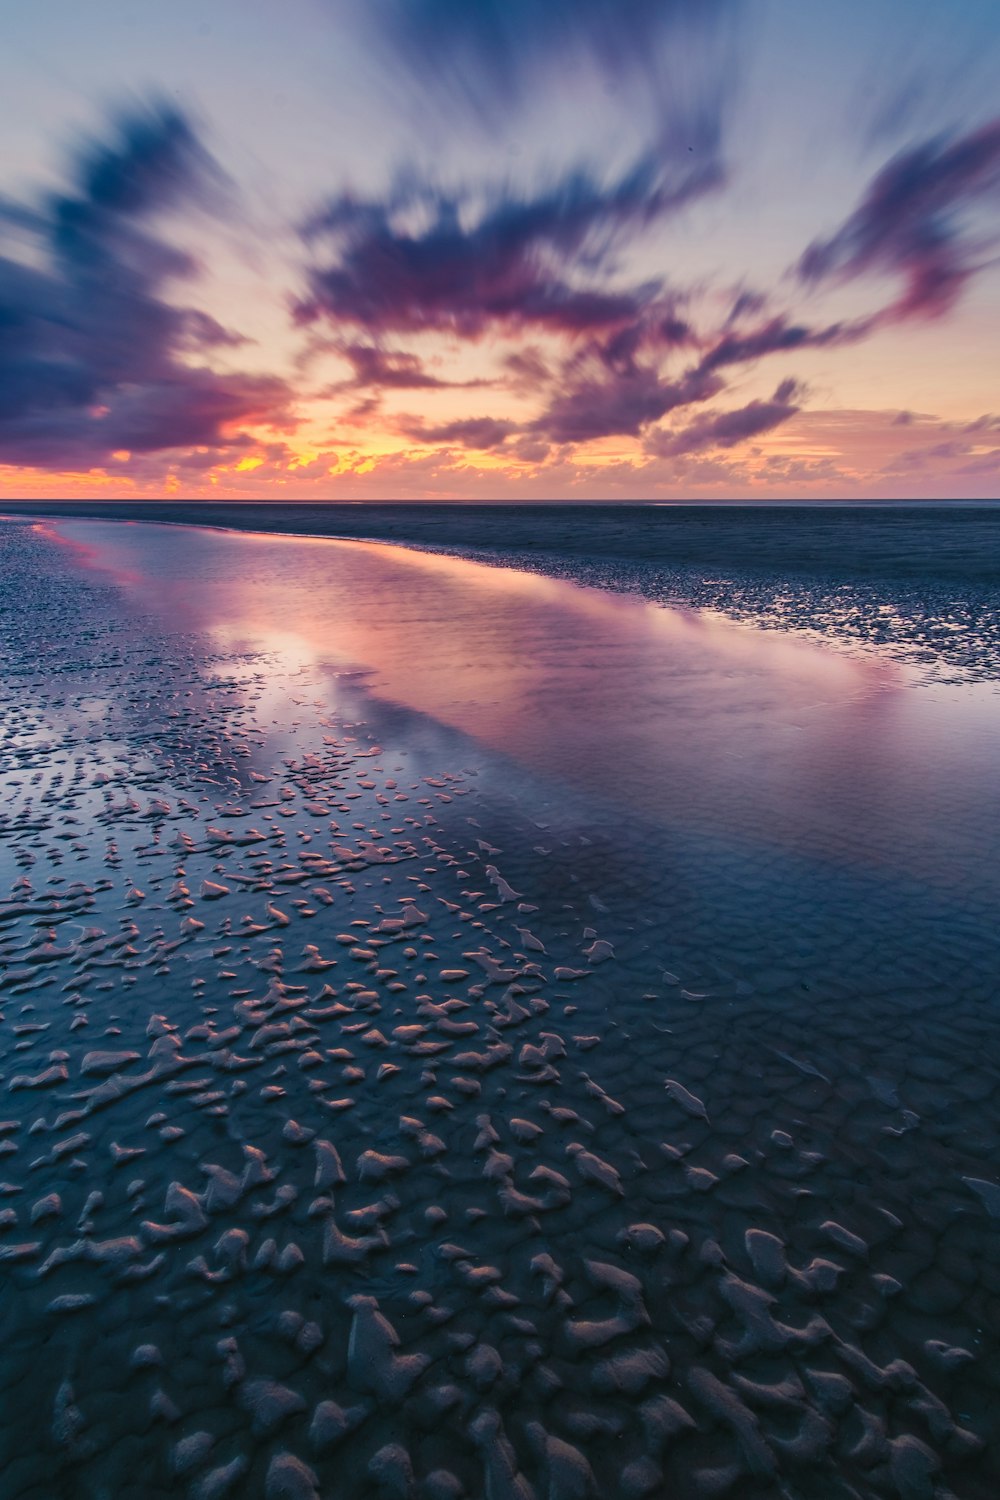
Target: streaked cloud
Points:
(95, 359)
(918, 221)
(726, 429)
(422, 259)
(473, 432)
(673, 61)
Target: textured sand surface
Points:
(384, 1116)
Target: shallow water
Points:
(676, 715)
(639, 845)
(921, 582)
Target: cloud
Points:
(202, 331)
(527, 368)
(471, 432)
(670, 61)
(779, 336)
(545, 264)
(365, 410)
(728, 428)
(390, 369)
(621, 403)
(986, 463)
(914, 223)
(426, 260)
(93, 358)
(986, 423)
(527, 265)
(943, 67)
(521, 266)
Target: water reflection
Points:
(681, 717)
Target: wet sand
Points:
(465, 1034)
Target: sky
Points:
(499, 249)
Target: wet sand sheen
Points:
(919, 580)
(678, 715)
(388, 1118)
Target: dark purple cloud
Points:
(471, 432)
(390, 369)
(537, 261)
(778, 336)
(728, 428)
(91, 355)
(620, 403)
(914, 223)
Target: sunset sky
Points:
(514, 249)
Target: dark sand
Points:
(389, 1115)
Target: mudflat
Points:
(465, 1032)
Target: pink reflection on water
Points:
(89, 554)
(680, 715)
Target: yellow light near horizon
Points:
(247, 465)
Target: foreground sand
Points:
(359, 1143)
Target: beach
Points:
(513, 1014)
(919, 580)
